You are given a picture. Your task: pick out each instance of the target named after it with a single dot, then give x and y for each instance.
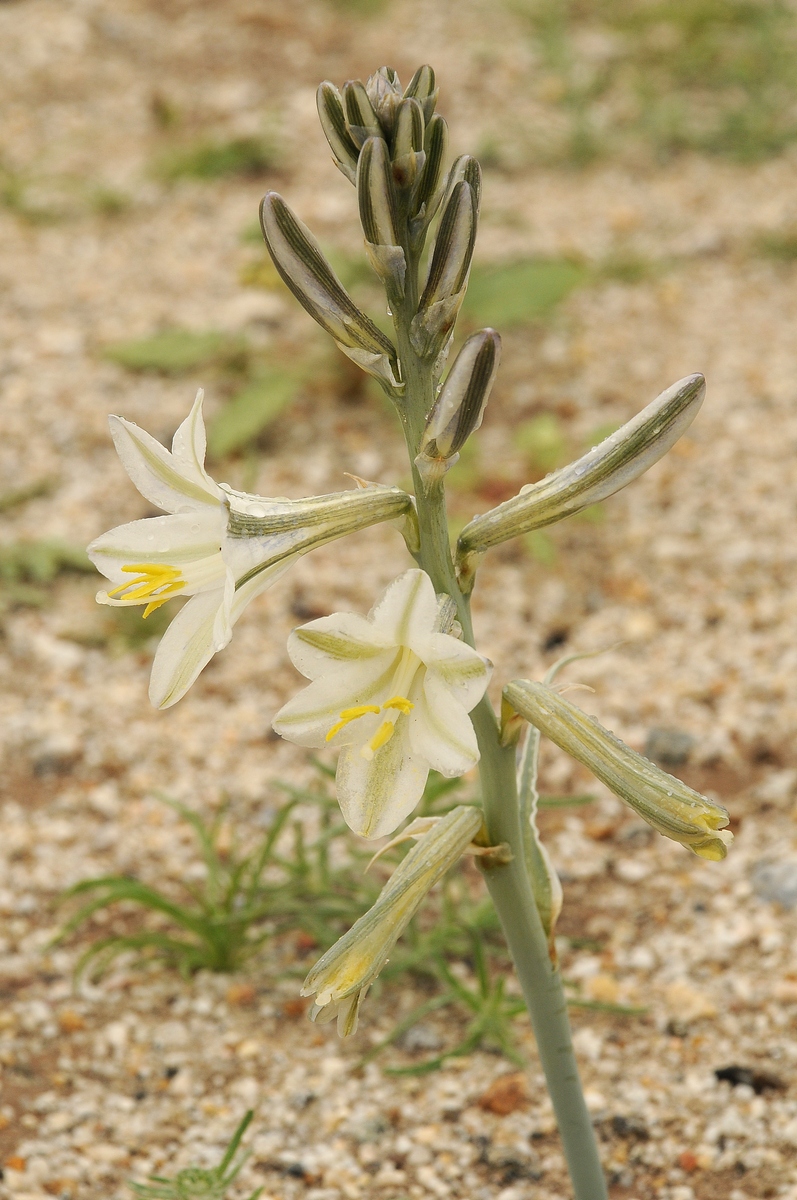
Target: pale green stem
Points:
(509, 885)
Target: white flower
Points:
(341, 978)
(220, 547)
(393, 692)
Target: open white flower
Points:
(393, 692)
(219, 547)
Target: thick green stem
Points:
(509, 885)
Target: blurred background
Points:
(638, 223)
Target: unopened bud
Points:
(408, 151)
(377, 195)
(384, 91)
(663, 801)
(604, 470)
(448, 273)
(428, 190)
(465, 169)
(340, 979)
(333, 122)
(422, 88)
(299, 261)
(361, 117)
(459, 408)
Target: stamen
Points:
(156, 583)
(351, 714)
(400, 702)
(382, 736)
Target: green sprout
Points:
(197, 1183)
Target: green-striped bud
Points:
(465, 169)
(384, 92)
(660, 799)
(604, 470)
(299, 261)
(448, 273)
(340, 979)
(361, 117)
(459, 408)
(428, 190)
(408, 149)
(378, 215)
(422, 88)
(333, 122)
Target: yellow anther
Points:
(400, 702)
(156, 583)
(383, 735)
(351, 714)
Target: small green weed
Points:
(176, 351)
(243, 418)
(519, 292)
(30, 491)
(779, 245)
(27, 568)
(249, 157)
(198, 1183)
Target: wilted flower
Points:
(393, 691)
(665, 802)
(341, 978)
(220, 547)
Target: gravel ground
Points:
(691, 573)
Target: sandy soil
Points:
(692, 572)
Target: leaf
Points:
(246, 416)
(175, 351)
(244, 156)
(519, 292)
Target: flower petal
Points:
(464, 672)
(375, 796)
(320, 645)
(440, 729)
(407, 609)
(179, 540)
(157, 475)
(189, 446)
(308, 717)
(187, 646)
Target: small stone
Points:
(15, 1162)
(295, 1007)
(506, 1095)
(668, 747)
(630, 1127)
(603, 988)
(70, 1021)
(687, 1004)
(241, 995)
(687, 1161)
(776, 881)
(419, 1037)
(759, 1081)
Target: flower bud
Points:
(422, 88)
(384, 91)
(333, 122)
(303, 268)
(378, 215)
(660, 799)
(343, 975)
(604, 470)
(361, 118)
(465, 169)
(408, 152)
(448, 273)
(459, 408)
(428, 191)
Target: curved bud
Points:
(343, 975)
(459, 408)
(428, 191)
(377, 195)
(361, 118)
(303, 268)
(408, 153)
(333, 123)
(384, 91)
(465, 169)
(604, 470)
(422, 88)
(448, 273)
(660, 799)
